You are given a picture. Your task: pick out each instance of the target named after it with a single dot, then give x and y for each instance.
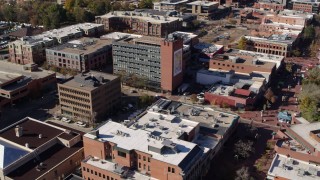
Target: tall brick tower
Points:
(172, 64)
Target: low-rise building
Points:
(19, 81)
(141, 22)
(269, 5)
(32, 49)
(298, 152)
(309, 6)
(31, 149)
(170, 140)
(89, 96)
(83, 54)
(203, 9)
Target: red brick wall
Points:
(168, 81)
(93, 148)
(92, 172)
(159, 170)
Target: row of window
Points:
(228, 65)
(97, 174)
(74, 103)
(73, 91)
(74, 97)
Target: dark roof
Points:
(50, 158)
(190, 157)
(31, 131)
(26, 31)
(73, 177)
(68, 136)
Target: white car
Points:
(81, 124)
(64, 119)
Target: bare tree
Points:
(244, 148)
(243, 174)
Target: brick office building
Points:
(89, 95)
(140, 22)
(81, 55)
(19, 81)
(159, 61)
(31, 149)
(158, 145)
(304, 6)
(32, 49)
(170, 5)
(269, 5)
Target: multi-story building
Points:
(275, 44)
(170, 5)
(238, 78)
(269, 5)
(32, 49)
(89, 96)
(309, 6)
(19, 81)
(298, 152)
(158, 60)
(140, 22)
(82, 54)
(31, 149)
(203, 9)
(170, 140)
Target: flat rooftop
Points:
(243, 59)
(50, 158)
(290, 168)
(203, 3)
(260, 56)
(61, 32)
(303, 130)
(6, 76)
(31, 131)
(89, 81)
(207, 48)
(141, 40)
(119, 35)
(171, 2)
(139, 139)
(13, 70)
(206, 117)
(110, 166)
(83, 45)
(144, 16)
(275, 39)
(167, 126)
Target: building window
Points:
(122, 154)
(148, 159)
(169, 169)
(84, 168)
(99, 174)
(148, 168)
(71, 162)
(139, 156)
(139, 165)
(144, 158)
(173, 170)
(95, 173)
(103, 176)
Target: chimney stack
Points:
(18, 130)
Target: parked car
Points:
(81, 124)
(64, 119)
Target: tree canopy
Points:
(242, 44)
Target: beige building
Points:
(89, 95)
(203, 9)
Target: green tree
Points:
(309, 32)
(309, 99)
(97, 7)
(146, 4)
(80, 14)
(69, 5)
(9, 12)
(296, 52)
(242, 44)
